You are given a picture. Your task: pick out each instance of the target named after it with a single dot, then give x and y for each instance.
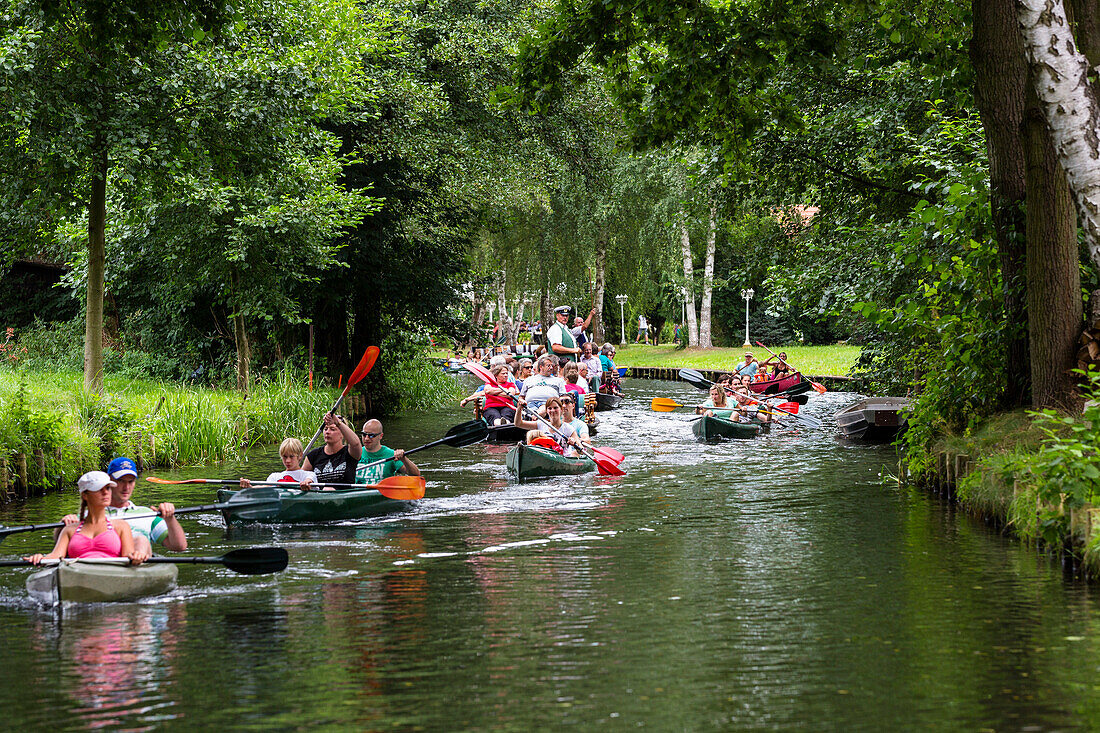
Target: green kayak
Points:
(528, 462)
(715, 428)
(298, 506)
(93, 582)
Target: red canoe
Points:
(777, 385)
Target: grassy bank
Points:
(1037, 475)
(815, 360)
(167, 423)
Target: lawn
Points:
(811, 360)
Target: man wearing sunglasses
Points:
(373, 450)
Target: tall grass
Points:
(423, 385)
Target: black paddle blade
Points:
(800, 398)
(695, 379)
(466, 433)
(256, 560)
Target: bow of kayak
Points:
(92, 582)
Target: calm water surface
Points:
(777, 583)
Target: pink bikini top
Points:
(104, 544)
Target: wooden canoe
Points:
(874, 420)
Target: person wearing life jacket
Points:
(95, 535)
(562, 433)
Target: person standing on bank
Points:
(560, 337)
(373, 450)
(643, 329)
(334, 462)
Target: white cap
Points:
(94, 481)
(498, 359)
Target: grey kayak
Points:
(97, 582)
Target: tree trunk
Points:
(1000, 89)
(600, 285)
(689, 282)
(708, 279)
(97, 248)
(1071, 106)
(240, 338)
(544, 309)
(1053, 273)
(502, 309)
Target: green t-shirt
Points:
(374, 474)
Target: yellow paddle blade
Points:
(663, 404)
(403, 488)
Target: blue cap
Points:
(122, 467)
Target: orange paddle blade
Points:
(155, 480)
(365, 364)
(402, 488)
(663, 404)
(818, 387)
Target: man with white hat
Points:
(164, 529)
(560, 338)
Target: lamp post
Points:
(622, 318)
(747, 295)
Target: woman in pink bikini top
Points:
(96, 536)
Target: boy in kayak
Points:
(290, 452)
(147, 531)
(373, 450)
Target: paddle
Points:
(402, 488)
(251, 497)
(610, 456)
(664, 404)
(819, 388)
(365, 364)
(246, 560)
(695, 378)
(467, 433)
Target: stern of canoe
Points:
(710, 429)
(527, 463)
(298, 507)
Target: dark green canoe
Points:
(528, 462)
(297, 506)
(715, 428)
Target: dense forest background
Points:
(191, 184)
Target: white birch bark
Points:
(599, 285)
(502, 309)
(689, 282)
(1070, 106)
(708, 280)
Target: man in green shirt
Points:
(560, 338)
(373, 450)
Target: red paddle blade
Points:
(791, 407)
(607, 468)
(480, 372)
(365, 364)
(610, 454)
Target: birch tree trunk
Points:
(600, 285)
(97, 248)
(1070, 106)
(504, 317)
(708, 280)
(240, 340)
(689, 282)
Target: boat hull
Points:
(90, 582)
(874, 420)
(505, 434)
(298, 507)
(527, 463)
(772, 386)
(715, 428)
(605, 402)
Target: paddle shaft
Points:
(460, 437)
(361, 370)
(4, 531)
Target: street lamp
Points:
(622, 318)
(747, 295)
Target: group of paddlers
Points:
(731, 398)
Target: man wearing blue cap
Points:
(164, 529)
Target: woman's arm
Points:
(518, 421)
(355, 446)
(59, 549)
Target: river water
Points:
(782, 582)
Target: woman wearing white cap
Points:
(95, 535)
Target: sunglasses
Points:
(370, 435)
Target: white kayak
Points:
(102, 581)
